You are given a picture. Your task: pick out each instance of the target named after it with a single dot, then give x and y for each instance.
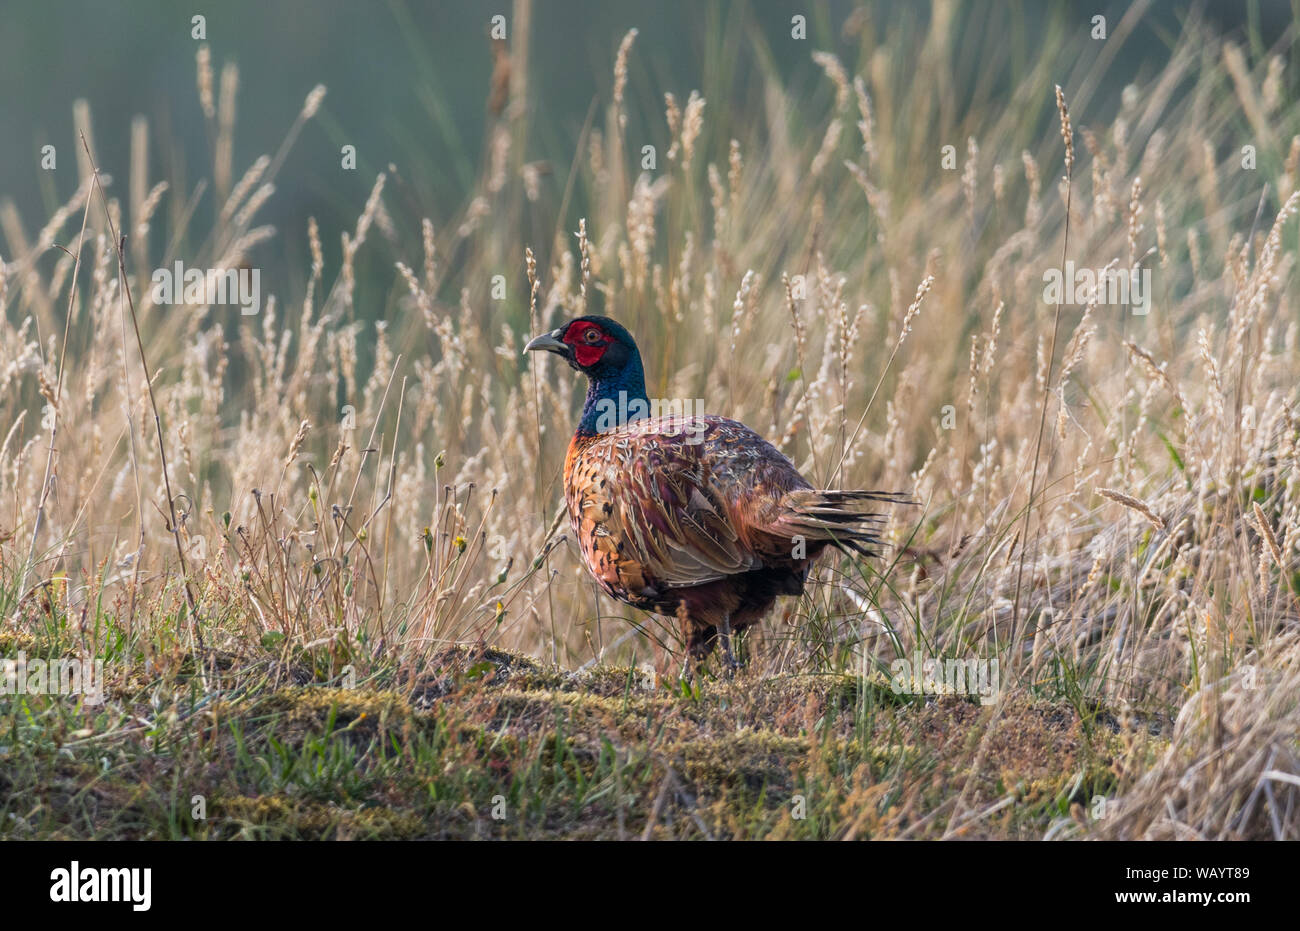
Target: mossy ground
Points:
(489, 744)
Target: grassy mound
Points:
(491, 744)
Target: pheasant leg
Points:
(724, 634)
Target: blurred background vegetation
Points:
(410, 86)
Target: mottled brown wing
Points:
(663, 503)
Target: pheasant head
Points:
(606, 353)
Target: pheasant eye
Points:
(591, 337)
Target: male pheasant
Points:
(698, 517)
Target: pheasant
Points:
(696, 517)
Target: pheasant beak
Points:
(551, 342)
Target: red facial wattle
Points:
(585, 351)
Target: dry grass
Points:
(385, 479)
